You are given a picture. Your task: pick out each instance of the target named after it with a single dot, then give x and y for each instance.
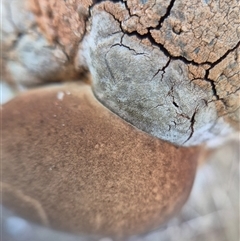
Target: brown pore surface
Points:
(80, 168)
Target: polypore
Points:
(118, 157)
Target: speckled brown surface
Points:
(211, 213)
(87, 169)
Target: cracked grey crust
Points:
(170, 97)
(170, 68)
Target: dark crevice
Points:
(70, 57)
(235, 91)
(120, 26)
(212, 83)
(175, 104)
(126, 6)
(174, 122)
(129, 11)
(156, 74)
(165, 16)
(183, 115)
(164, 68)
(223, 57)
(163, 49)
(192, 121)
(154, 107)
(170, 93)
(212, 65)
(125, 46)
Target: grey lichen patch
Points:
(142, 85)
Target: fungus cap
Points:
(70, 163)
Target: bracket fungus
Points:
(115, 156)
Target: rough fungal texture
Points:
(169, 67)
